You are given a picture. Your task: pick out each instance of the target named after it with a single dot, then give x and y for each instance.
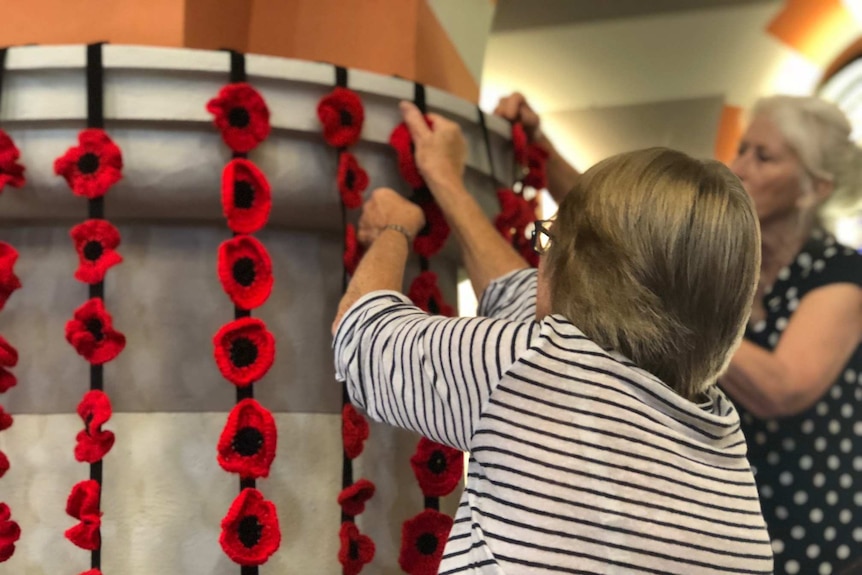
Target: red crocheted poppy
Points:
(11, 172)
(353, 251)
(422, 540)
(93, 443)
(244, 350)
(4, 464)
(356, 551)
(536, 175)
(516, 215)
(402, 142)
(250, 533)
(438, 468)
(10, 532)
(6, 420)
(425, 294)
(93, 166)
(353, 497)
(241, 116)
(519, 144)
(9, 282)
(83, 505)
(342, 115)
(246, 197)
(354, 431)
(433, 236)
(92, 335)
(352, 180)
(245, 271)
(248, 441)
(8, 358)
(95, 241)
(92, 572)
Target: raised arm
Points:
(440, 156)
(561, 174)
(817, 342)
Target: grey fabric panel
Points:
(164, 494)
(167, 299)
(514, 15)
(688, 125)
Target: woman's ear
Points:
(823, 189)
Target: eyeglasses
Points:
(540, 236)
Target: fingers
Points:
(510, 107)
(414, 120)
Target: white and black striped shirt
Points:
(579, 461)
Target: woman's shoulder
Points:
(824, 261)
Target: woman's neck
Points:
(781, 240)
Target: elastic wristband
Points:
(401, 230)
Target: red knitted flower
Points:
(93, 166)
(356, 551)
(9, 282)
(353, 497)
(241, 115)
(516, 215)
(352, 180)
(425, 294)
(245, 271)
(519, 144)
(83, 505)
(536, 176)
(353, 252)
(92, 335)
(6, 420)
(438, 468)
(92, 572)
(432, 237)
(250, 533)
(10, 532)
(93, 443)
(11, 172)
(8, 358)
(244, 350)
(246, 197)
(402, 142)
(4, 464)
(342, 115)
(422, 540)
(95, 241)
(248, 441)
(354, 431)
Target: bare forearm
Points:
(758, 381)
(487, 256)
(561, 175)
(381, 268)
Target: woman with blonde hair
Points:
(585, 393)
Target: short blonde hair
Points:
(656, 255)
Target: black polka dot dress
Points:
(809, 467)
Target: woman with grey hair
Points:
(585, 391)
(797, 379)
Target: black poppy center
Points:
(437, 462)
(345, 117)
(243, 271)
(238, 117)
(243, 352)
(243, 194)
(250, 531)
(353, 550)
(350, 179)
(427, 543)
(95, 327)
(426, 229)
(247, 441)
(88, 163)
(435, 309)
(93, 250)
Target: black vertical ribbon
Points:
(238, 74)
(2, 68)
(96, 210)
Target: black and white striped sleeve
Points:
(512, 296)
(429, 374)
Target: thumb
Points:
(414, 120)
